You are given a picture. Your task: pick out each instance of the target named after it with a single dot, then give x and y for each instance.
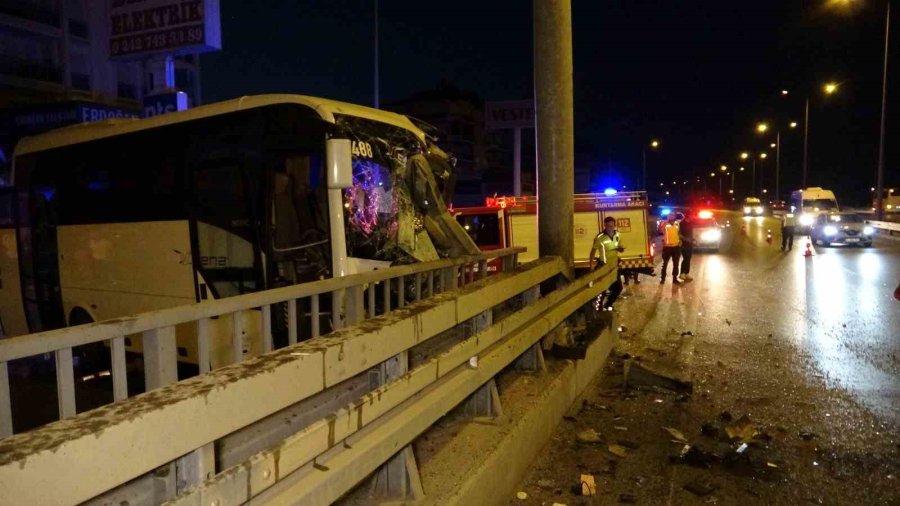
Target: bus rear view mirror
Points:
(340, 163)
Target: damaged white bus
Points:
(126, 216)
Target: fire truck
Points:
(512, 221)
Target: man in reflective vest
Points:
(788, 222)
(602, 250)
(671, 248)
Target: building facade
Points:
(55, 69)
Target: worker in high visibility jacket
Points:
(605, 244)
(788, 222)
(671, 248)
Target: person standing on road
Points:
(671, 248)
(604, 245)
(788, 222)
(686, 235)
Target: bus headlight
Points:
(829, 230)
(806, 220)
(710, 235)
(758, 210)
(868, 230)
(746, 210)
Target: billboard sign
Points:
(509, 114)
(143, 27)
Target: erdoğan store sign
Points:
(144, 27)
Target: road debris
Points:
(742, 429)
(619, 427)
(695, 456)
(588, 485)
(687, 333)
(589, 436)
(709, 430)
(521, 495)
(546, 484)
(617, 450)
(676, 434)
(638, 375)
(807, 436)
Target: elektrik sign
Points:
(143, 27)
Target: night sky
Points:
(697, 75)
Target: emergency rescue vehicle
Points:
(505, 222)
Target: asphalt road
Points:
(807, 348)
(837, 305)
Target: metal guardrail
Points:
(177, 425)
(888, 226)
(158, 328)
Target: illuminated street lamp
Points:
(744, 156)
(654, 145)
(763, 155)
(762, 127)
(723, 168)
(784, 92)
(793, 124)
(830, 89)
(773, 145)
(879, 177)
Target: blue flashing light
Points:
(609, 192)
(665, 211)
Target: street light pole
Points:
(879, 186)
(644, 168)
(777, 162)
(753, 179)
(805, 144)
(377, 93)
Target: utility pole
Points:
(555, 129)
(805, 144)
(777, 163)
(377, 92)
(879, 186)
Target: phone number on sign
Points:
(167, 39)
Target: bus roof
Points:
(84, 132)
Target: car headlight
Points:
(829, 230)
(806, 220)
(746, 210)
(710, 235)
(868, 230)
(758, 210)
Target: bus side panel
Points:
(523, 232)
(147, 265)
(12, 314)
(587, 227)
(632, 228)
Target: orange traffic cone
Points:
(769, 236)
(808, 252)
(743, 229)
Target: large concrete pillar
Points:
(555, 138)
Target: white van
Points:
(810, 202)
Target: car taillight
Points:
(705, 215)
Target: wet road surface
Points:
(836, 305)
(807, 348)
